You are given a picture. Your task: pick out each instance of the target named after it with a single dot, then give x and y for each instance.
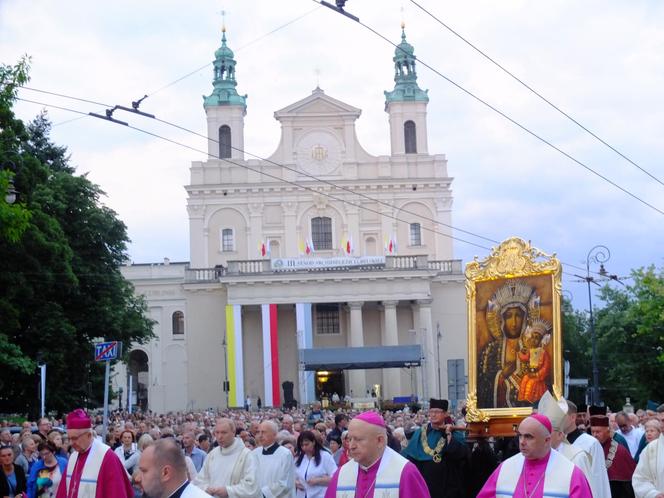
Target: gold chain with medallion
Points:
(433, 453)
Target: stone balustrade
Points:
(263, 266)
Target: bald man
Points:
(229, 470)
(375, 465)
(536, 471)
(275, 470)
(163, 472)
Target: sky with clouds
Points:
(601, 61)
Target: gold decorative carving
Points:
(557, 392)
(513, 258)
(474, 414)
(318, 152)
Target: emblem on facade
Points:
(318, 152)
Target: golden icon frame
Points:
(514, 259)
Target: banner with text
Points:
(291, 264)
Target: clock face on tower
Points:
(318, 153)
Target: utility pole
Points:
(438, 337)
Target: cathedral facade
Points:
(321, 269)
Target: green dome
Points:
(224, 82)
(405, 76)
(223, 52)
(404, 49)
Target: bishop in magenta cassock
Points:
(93, 470)
(374, 465)
(536, 471)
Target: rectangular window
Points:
(327, 319)
(227, 240)
(456, 381)
(321, 233)
(415, 234)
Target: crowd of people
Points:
(561, 450)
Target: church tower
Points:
(407, 104)
(225, 108)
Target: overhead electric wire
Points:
(299, 172)
(87, 101)
(67, 121)
(68, 109)
(237, 50)
(269, 175)
(538, 94)
(330, 183)
(312, 189)
(501, 113)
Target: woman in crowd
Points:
(47, 472)
(28, 455)
(66, 446)
(653, 428)
(12, 480)
(250, 443)
(336, 448)
(143, 442)
(288, 444)
(55, 437)
(345, 449)
(322, 428)
(314, 467)
(128, 451)
(400, 435)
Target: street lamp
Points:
(226, 386)
(598, 254)
(413, 382)
(10, 195)
(438, 337)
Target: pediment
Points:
(318, 104)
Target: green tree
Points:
(13, 217)
(61, 279)
(630, 339)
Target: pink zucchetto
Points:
(372, 418)
(544, 420)
(78, 419)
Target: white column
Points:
(290, 230)
(255, 235)
(391, 376)
(427, 337)
(303, 320)
(358, 378)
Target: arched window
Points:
(225, 141)
(415, 234)
(227, 240)
(321, 233)
(178, 323)
(410, 137)
(370, 246)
